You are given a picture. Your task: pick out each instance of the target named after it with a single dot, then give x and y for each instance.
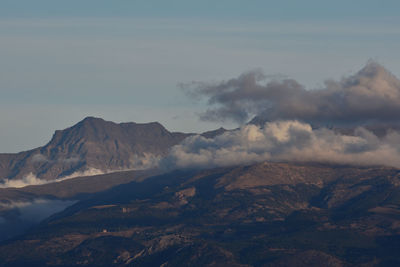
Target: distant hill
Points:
(92, 143)
(266, 214)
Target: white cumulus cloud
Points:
(285, 141)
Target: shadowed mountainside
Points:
(74, 188)
(22, 208)
(267, 214)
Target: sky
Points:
(124, 60)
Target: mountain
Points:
(82, 155)
(92, 144)
(214, 133)
(266, 214)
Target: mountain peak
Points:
(93, 122)
(95, 143)
(214, 133)
(91, 119)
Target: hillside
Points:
(267, 214)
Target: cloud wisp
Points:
(32, 179)
(37, 209)
(286, 141)
(138, 162)
(371, 95)
(40, 158)
(29, 179)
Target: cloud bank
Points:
(32, 179)
(370, 95)
(29, 179)
(138, 162)
(286, 141)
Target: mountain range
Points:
(130, 214)
(266, 214)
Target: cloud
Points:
(138, 162)
(87, 172)
(37, 209)
(25, 214)
(144, 161)
(31, 178)
(40, 158)
(285, 141)
(370, 95)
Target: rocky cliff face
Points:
(92, 143)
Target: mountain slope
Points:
(92, 144)
(268, 214)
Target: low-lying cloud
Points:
(137, 162)
(40, 158)
(32, 179)
(87, 172)
(37, 209)
(370, 95)
(286, 141)
(25, 214)
(144, 161)
(29, 179)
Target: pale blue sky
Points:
(236, 9)
(122, 60)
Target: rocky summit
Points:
(91, 144)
